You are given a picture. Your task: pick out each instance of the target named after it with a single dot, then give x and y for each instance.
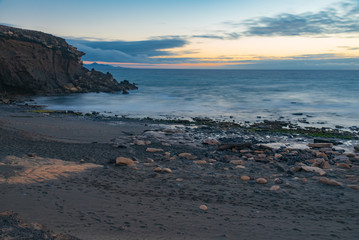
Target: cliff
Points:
(36, 63)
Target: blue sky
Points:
(256, 34)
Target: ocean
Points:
(309, 98)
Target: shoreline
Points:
(176, 180)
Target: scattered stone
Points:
(238, 146)
(125, 161)
(200, 162)
(320, 145)
(152, 150)
(274, 188)
(314, 169)
(355, 187)
(237, 162)
(261, 180)
(167, 170)
(245, 178)
(173, 158)
(149, 160)
(167, 154)
(304, 180)
(210, 141)
(158, 169)
(179, 179)
(329, 181)
(188, 156)
(344, 165)
(240, 166)
(203, 207)
(139, 142)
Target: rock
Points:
(240, 166)
(187, 156)
(203, 207)
(329, 181)
(125, 161)
(167, 170)
(179, 179)
(320, 145)
(200, 162)
(139, 142)
(238, 146)
(355, 187)
(274, 188)
(237, 162)
(167, 154)
(36, 63)
(173, 158)
(210, 141)
(344, 165)
(261, 180)
(158, 169)
(149, 160)
(152, 150)
(314, 169)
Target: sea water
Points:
(309, 98)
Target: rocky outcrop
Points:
(36, 63)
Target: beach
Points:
(98, 177)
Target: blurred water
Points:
(324, 98)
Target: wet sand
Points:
(60, 171)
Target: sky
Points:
(218, 34)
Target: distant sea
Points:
(309, 98)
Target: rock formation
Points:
(36, 63)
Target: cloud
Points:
(135, 51)
(224, 36)
(341, 19)
(307, 62)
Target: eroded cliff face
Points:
(36, 63)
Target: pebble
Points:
(237, 162)
(314, 169)
(139, 142)
(278, 156)
(167, 154)
(261, 180)
(274, 188)
(167, 170)
(304, 180)
(152, 150)
(124, 161)
(200, 162)
(158, 169)
(355, 187)
(343, 165)
(203, 207)
(240, 166)
(245, 178)
(188, 156)
(212, 160)
(179, 179)
(329, 181)
(278, 181)
(149, 160)
(320, 145)
(210, 141)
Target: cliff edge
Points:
(36, 63)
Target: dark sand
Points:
(58, 171)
